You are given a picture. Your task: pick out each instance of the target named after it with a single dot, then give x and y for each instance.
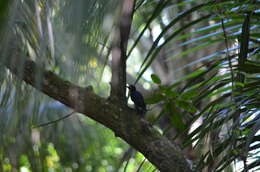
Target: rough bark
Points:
(121, 35)
(112, 113)
(126, 124)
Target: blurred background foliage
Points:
(197, 63)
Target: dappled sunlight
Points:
(196, 63)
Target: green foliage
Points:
(154, 99)
(223, 92)
(3, 12)
(175, 115)
(74, 50)
(72, 38)
(156, 79)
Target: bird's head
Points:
(131, 87)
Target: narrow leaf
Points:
(156, 79)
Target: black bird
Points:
(138, 100)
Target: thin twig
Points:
(55, 121)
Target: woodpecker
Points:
(138, 100)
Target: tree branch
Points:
(122, 120)
(118, 82)
(112, 113)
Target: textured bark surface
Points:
(122, 120)
(112, 112)
(121, 35)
